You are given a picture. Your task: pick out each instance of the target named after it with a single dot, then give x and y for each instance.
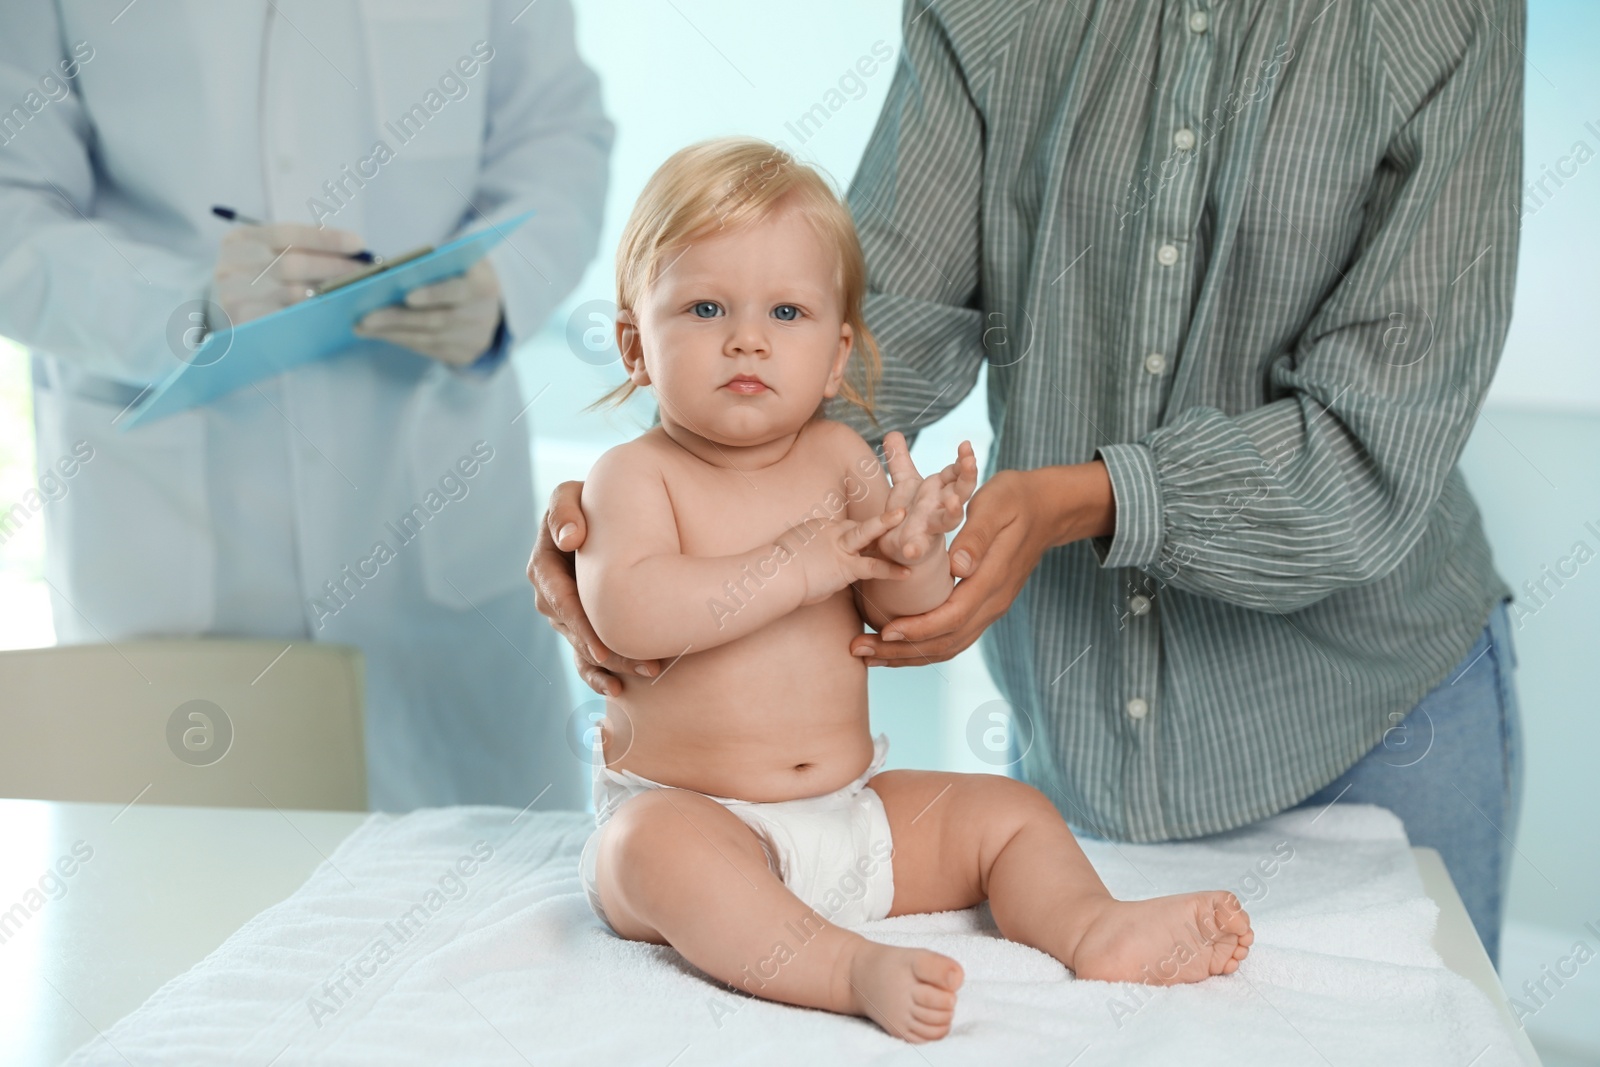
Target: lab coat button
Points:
(1137, 708)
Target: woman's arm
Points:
(1331, 483)
(916, 199)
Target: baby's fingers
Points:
(966, 471)
(898, 458)
(869, 567)
(868, 531)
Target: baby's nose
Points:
(747, 339)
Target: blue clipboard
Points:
(314, 329)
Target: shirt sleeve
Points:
(78, 287)
(916, 199)
(547, 149)
(1332, 482)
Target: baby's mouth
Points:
(746, 385)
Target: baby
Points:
(742, 814)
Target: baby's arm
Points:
(933, 507)
(647, 600)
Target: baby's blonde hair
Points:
(724, 183)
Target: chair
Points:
(232, 723)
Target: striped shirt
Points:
(1258, 256)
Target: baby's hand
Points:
(830, 553)
(933, 505)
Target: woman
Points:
(1241, 283)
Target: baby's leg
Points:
(963, 838)
(677, 868)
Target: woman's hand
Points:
(556, 595)
(933, 506)
(1014, 518)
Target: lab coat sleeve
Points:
(72, 286)
(547, 148)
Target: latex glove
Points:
(453, 321)
(263, 268)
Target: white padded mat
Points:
(460, 936)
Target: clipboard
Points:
(313, 329)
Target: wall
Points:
(678, 71)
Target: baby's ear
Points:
(632, 351)
(841, 359)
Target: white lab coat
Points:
(260, 514)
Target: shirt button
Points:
(1199, 22)
(1137, 708)
(1155, 363)
(1167, 255)
(1139, 604)
(1183, 139)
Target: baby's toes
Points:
(1229, 915)
(1224, 956)
(938, 971)
(931, 998)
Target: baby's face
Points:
(743, 333)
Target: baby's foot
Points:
(910, 992)
(1164, 941)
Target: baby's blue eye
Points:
(701, 309)
(786, 312)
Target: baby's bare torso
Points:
(781, 712)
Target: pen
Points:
(231, 215)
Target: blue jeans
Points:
(1451, 769)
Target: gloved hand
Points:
(453, 321)
(263, 268)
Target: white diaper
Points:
(832, 851)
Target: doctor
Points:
(382, 498)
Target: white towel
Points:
(460, 935)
